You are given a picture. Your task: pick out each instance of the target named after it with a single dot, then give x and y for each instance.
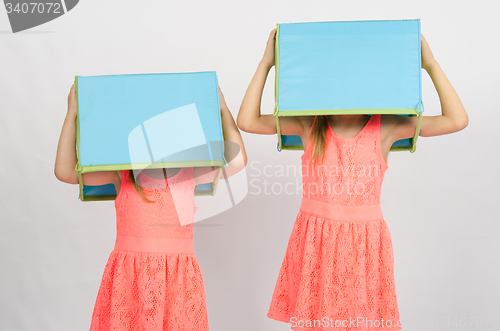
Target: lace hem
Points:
(336, 270)
(150, 291)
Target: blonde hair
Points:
(138, 188)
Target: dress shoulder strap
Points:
(372, 129)
(373, 125)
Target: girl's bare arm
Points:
(453, 116)
(249, 116)
(234, 149)
(64, 168)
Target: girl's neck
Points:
(348, 120)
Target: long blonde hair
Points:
(318, 139)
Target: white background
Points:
(441, 203)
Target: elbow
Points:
(240, 161)
(242, 156)
(58, 174)
(245, 161)
(248, 127)
(465, 122)
(246, 124)
(65, 177)
(235, 166)
(241, 123)
(240, 165)
(462, 123)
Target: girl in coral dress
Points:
(152, 280)
(338, 269)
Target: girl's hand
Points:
(72, 101)
(427, 56)
(268, 58)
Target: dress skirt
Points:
(151, 284)
(337, 273)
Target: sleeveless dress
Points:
(152, 280)
(337, 273)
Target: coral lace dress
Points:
(337, 273)
(152, 280)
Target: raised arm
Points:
(453, 116)
(249, 116)
(64, 168)
(66, 159)
(234, 149)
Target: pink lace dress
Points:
(338, 273)
(152, 280)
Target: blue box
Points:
(138, 121)
(348, 67)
